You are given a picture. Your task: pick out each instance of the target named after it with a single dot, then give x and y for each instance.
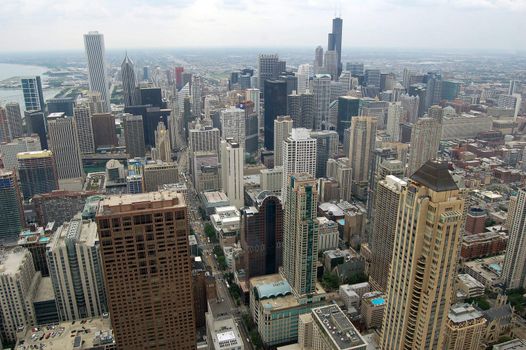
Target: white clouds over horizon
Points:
(472, 24)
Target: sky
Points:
(47, 25)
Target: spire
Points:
(127, 60)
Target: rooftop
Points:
(45, 290)
(338, 328)
(460, 313)
(436, 176)
(34, 154)
(87, 333)
(141, 201)
(11, 260)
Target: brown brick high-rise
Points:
(147, 270)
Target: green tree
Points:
(358, 277)
(330, 281)
(221, 261)
(481, 301)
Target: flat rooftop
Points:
(338, 328)
(11, 259)
(85, 334)
(460, 313)
(45, 290)
(141, 201)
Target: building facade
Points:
(151, 306)
(424, 261)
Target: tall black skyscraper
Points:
(275, 104)
(335, 40)
(129, 82)
(37, 124)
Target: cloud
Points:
(49, 25)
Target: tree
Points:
(481, 302)
(358, 277)
(210, 232)
(330, 281)
(221, 261)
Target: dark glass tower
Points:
(348, 107)
(335, 40)
(36, 124)
(275, 104)
(11, 211)
(262, 237)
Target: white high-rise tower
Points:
(97, 70)
(299, 156)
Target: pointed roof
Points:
(435, 175)
(127, 60)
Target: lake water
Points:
(8, 70)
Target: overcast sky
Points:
(27, 25)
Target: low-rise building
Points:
(514, 344)
(212, 200)
(487, 271)
(88, 334)
(332, 330)
(328, 235)
(372, 309)
(276, 310)
(226, 222)
(221, 328)
(468, 286)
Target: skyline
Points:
(437, 24)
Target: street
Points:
(197, 225)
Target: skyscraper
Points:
(299, 156)
(129, 82)
(103, 125)
(97, 69)
(348, 107)
(233, 125)
(304, 73)
(78, 280)
(14, 119)
(424, 261)
(33, 94)
(335, 41)
(18, 286)
(269, 68)
(326, 147)
(262, 237)
(11, 210)
(275, 104)
(321, 88)
(300, 233)
(361, 146)
(318, 60)
(384, 227)
(253, 95)
(38, 172)
(340, 170)
(134, 136)
(514, 271)
(232, 162)
(4, 126)
(394, 114)
(282, 130)
(301, 109)
(330, 64)
(197, 94)
(179, 77)
(82, 117)
(64, 143)
(149, 289)
(162, 143)
(425, 141)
